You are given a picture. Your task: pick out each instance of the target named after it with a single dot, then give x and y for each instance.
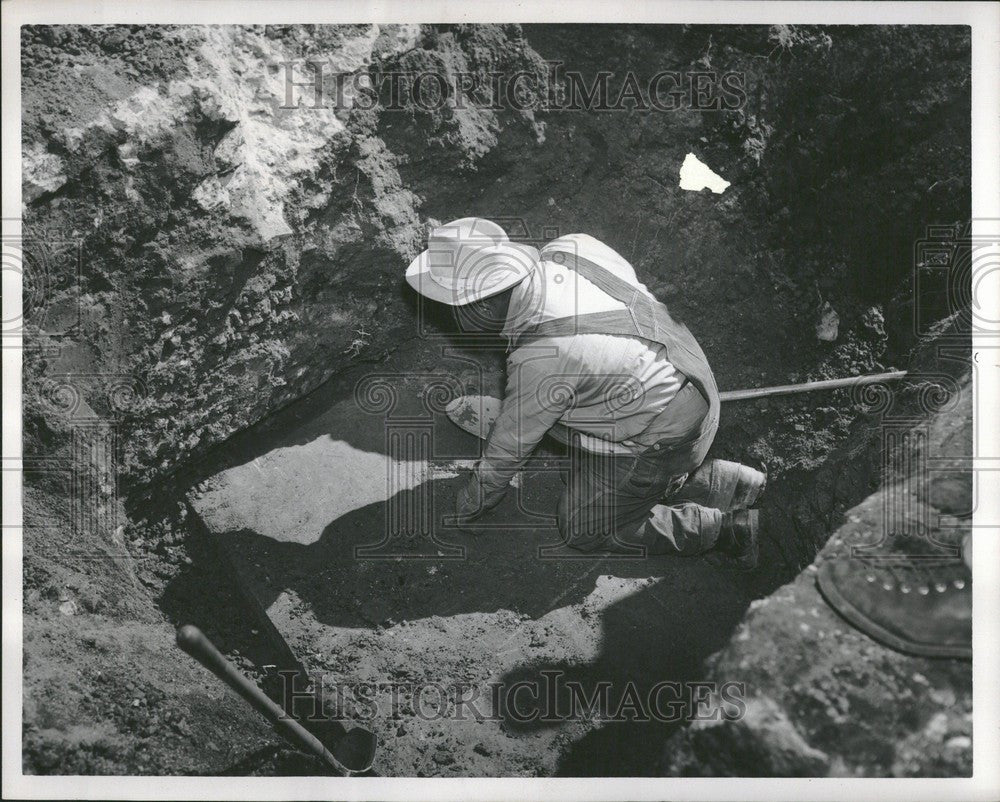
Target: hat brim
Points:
(518, 257)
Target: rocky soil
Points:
(823, 698)
(203, 256)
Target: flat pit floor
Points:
(336, 514)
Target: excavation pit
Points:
(312, 517)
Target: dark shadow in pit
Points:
(654, 643)
(497, 563)
(205, 593)
(347, 406)
(492, 567)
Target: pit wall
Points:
(203, 255)
(201, 248)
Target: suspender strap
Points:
(616, 287)
(638, 318)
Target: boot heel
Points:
(738, 537)
(749, 487)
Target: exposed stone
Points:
(241, 231)
(41, 172)
(837, 702)
(763, 743)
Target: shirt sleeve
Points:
(538, 392)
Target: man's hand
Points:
(472, 499)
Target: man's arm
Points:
(532, 403)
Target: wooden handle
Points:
(823, 384)
(193, 641)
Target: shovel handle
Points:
(193, 641)
(806, 387)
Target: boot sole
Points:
(828, 589)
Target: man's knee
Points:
(685, 529)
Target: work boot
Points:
(738, 537)
(750, 486)
(914, 608)
(721, 484)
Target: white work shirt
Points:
(610, 388)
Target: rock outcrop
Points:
(228, 232)
(824, 699)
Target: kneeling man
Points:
(596, 361)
